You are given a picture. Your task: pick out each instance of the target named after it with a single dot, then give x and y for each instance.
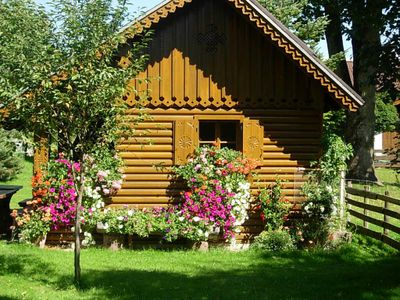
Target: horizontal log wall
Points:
(149, 156)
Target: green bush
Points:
(10, 161)
(276, 240)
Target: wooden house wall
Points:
(206, 60)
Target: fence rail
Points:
(374, 209)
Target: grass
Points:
(362, 270)
(24, 179)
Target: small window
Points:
(223, 134)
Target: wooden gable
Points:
(207, 55)
(271, 29)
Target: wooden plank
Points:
(148, 162)
(297, 156)
(372, 195)
(140, 199)
(178, 77)
(153, 184)
(153, 125)
(144, 147)
(296, 120)
(135, 205)
(146, 170)
(148, 140)
(378, 209)
(291, 141)
(273, 177)
(190, 66)
(166, 63)
(153, 69)
(203, 81)
(292, 149)
(284, 163)
(145, 155)
(274, 170)
(148, 177)
(374, 221)
(290, 127)
(152, 133)
(285, 185)
(291, 134)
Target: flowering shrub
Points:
(217, 198)
(319, 210)
(219, 193)
(274, 208)
(55, 196)
(33, 223)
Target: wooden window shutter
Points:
(185, 139)
(253, 140)
(41, 154)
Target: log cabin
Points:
(225, 71)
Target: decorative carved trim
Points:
(155, 17)
(242, 5)
(217, 103)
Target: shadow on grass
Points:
(298, 275)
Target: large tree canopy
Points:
(60, 74)
(373, 29)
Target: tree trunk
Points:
(334, 38)
(360, 127)
(77, 251)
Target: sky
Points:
(144, 5)
(136, 4)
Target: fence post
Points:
(366, 189)
(385, 217)
(349, 184)
(342, 199)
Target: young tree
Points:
(74, 93)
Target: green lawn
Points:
(358, 271)
(24, 179)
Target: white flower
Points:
(120, 226)
(120, 218)
(334, 209)
(322, 209)
(200, 232)
(181, 219)
(196, 219)
(105, 226)
(130, 212)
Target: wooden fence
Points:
(371, 208)
(387, 159)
